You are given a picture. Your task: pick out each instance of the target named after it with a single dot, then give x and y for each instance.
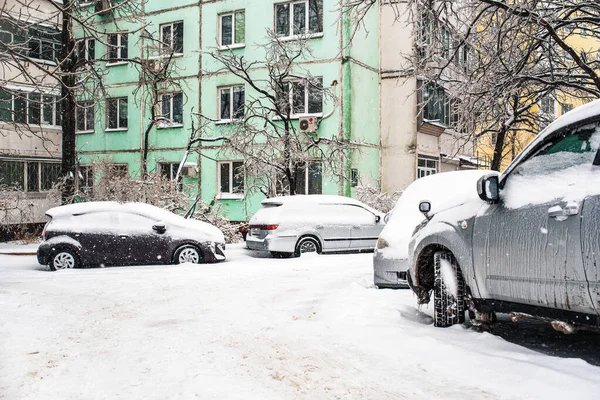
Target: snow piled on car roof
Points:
(147, 210)
(443, 191)
(309, 200)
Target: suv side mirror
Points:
(425, 208)
(159, 227)
(488, 188)
(377, 219)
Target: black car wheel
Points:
(449, 291)
(307, 244)
(187, 253)
(63, 259)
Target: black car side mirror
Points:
(488, 188)
(377, 219)
(159, 227)
(425, 208)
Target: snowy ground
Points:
(252, 328)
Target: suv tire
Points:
(449, 291)
(307, 244)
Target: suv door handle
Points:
(319, 227)
(123, 236)
(355, 227)
(562, 213)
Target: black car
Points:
(110, 233)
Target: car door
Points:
(95, 232)
(365, 228)
(590, 245)
(138, 243)
(333, 226)
(529, 244)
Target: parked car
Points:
(110, 233)
(530, 244)
(292, 225)
(445, 190)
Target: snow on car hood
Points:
(444, 191)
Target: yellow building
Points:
(548, 109)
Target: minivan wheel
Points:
(449, 291)
(63, 259)
(307, 244)
(187, 253)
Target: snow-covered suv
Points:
(531, 245)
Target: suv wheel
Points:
(449, 291)
(63, 259)
(307, 244)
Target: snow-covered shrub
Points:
(16, 212)
(381, 201)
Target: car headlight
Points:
(382, 243)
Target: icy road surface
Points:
(252, 328)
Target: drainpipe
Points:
(346, 98)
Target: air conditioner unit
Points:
(102, 7)
(190, 170)
(308, 125)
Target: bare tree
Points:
(61, 61)
(497, 59)
(262, 123)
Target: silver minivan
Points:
(530, 245)
(292, 225)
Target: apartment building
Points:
(30, 118)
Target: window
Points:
(547, 111)
(30, 176)
(169, 171)
(117, 47)
(565, 108)
(86, 50)
(172, 108)
(354, 177)
(568, 150)
(85, 179)
(426, 166)
(84, 117)
(436, 106)
(32, 108)
(233, 28)
(304, 96)
(118, 170)
(171, 37)
(445, 42)
(44, 43)
(116, 114)
(231, 100)
(308, 180)
(12, 34)
(231, 178)
(299, 17)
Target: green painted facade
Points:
(355, 116)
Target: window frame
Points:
(24, 185)
(231, 195)
(307, 33)
(25, 96)
(171, 39)
(107, 114)
(232, 116)
(119, 60)
(172, 167)
(85, 173)
(307, 93)
(171, 122)
(85, 42)
(426, 170)
(34, 35)
(87, 106)
(234, 44)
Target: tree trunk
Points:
(69, 151)
(498, 149)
